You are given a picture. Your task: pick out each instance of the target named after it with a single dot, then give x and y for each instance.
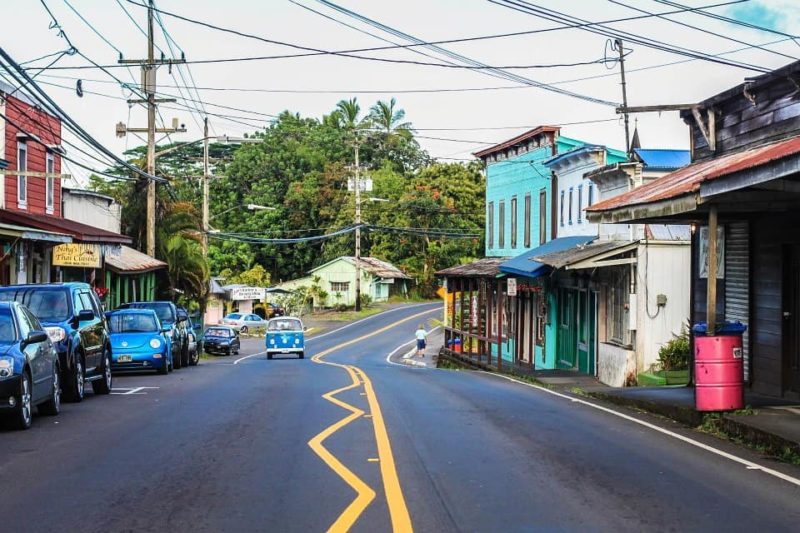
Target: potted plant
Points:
(674, 358)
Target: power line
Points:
(523, 6)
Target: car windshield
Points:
(7, 331)
(132, 323)
(284, 325)
(162, 309)
(234, 316)
(218, 332)
(49, 305)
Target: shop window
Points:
(490, 222)
(501, 225)
(22, 181)
(617, 316)
(50, 183)
(527, 221)
(569, 213)
(580, 203)
(514, 216)
(590, 198)
(340, 286)
(542, 216)
(562, 209)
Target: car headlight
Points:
(56, 334)
(272, 342)
(297, 341)
(155, 343)
(6, 367)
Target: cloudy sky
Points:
(456, 111)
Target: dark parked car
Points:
(174, 318)
(222, 340)
(195, 341)
(73, 318)
(28, 367)
(272, 310)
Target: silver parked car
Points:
(242, 322)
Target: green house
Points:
(379, 280)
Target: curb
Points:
(684, 415)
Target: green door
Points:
(586, 323)
(567, 329)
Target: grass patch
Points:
(578, 391)
(348, 316)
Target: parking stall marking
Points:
(128, 391)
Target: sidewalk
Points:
(772, 424)
(432, 347)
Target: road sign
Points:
(512, 287)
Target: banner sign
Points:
(77, 255)
(248, 293)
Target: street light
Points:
(251, 207)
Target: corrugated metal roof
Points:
(582, 252)
(528, 265)
(662, 158)
(688, 179)
(668, 232)
(488, 267)
(374, 266)
(214, 286)
(81, 232)
(132, 261)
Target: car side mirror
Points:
(85, 314)
(165, 329)
(35, 337)
(182, 316)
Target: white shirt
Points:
(421, 334)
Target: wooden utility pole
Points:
(149, 67)
(618, 44)
(357, 186)
(711, 292)
(205, 187)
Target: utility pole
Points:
(205, 187)
(620, 49)
(357, 186)
(149, 67)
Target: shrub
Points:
(675, 353)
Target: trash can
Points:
(719, 367)
(457, 345)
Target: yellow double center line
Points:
(401, 521)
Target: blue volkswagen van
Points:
(285, 335)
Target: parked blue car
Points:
(139, 341)
(285, 336)
(28, 367)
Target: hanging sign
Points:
(77, 255)
(248, 293)
(512, 287)
(473, 311)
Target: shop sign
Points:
(248, 293)
(511, 289)
(77, 255)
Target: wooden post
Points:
(489, 311)
(481, 321)
(499, 325)
(711, 293)
(461, 312)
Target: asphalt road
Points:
(345, 439)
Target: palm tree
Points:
(347, 115)
(386, 117)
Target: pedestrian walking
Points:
(421, 335)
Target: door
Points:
(91, 331)
(41, 366)
(582, 315)
(791, 319)
(526, 329)
(567, 329)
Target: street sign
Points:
(512, 287)
(248, 293)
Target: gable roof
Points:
(488, 267)
(687, 180)
(662, 158)
(79, 231)
(374, 266)
(133, 261)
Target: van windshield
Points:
(49, 305)
(132, 323)
(285, 324)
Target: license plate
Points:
(124, 359)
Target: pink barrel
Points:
(719, 373)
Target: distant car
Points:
(169, 315)
(139, 341)
(222, 340)
(243, 322)
(29, 372)
(285, 335)
(273, 310)
(73, 318)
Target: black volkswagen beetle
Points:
(28, 367)
(222, 340)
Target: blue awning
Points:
(524, 265)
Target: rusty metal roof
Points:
(516, 140)
(130, 261)
(79, 231)
(689, 179)
(581, 252)
(488, 267)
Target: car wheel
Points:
(302, 355)
(176, 360)
(164, 370)
(185, 356)
(103, 386)
(194, 358)
(269, 356)
(23, 416)
(243, 331)
(53, 406)
(77, 380)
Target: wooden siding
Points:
(741, 125)
(48, 130)
(766, 336)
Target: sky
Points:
(455, 111)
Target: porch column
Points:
(481, 330)
(499, 325)
(461, 328)
(711, 293)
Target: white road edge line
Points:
(748, 464)
(347, 326)
(389, 357)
